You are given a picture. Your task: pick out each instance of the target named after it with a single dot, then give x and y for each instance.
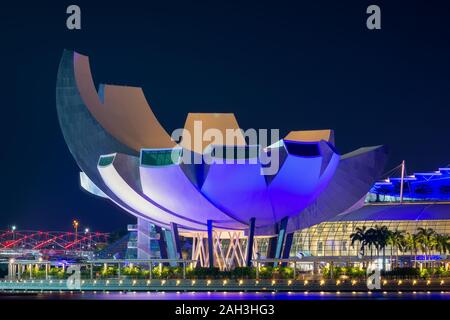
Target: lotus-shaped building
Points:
(126, 156)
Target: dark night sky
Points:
(287, 65)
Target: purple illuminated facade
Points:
(126, 156)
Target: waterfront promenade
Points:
(204, 285)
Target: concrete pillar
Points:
(281, 239)
(162, 242)
(176, 239)
(210, 244)
(271, 248)
(143, 239)
(170, 247)
(250, 240)
(287, 247)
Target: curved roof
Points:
(405, 211)
(311, 135)
(123, 111)
(168, 186)
(74, 117)
(219, 122)
(240, 190)
(300, 180)
(355, 174)
(119, 172)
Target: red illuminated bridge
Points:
(56, 241)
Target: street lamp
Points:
(13, 228)
(75, 224)
(86, 232)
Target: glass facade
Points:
(333, 238)
(106, 160)
(160, 157)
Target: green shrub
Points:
(108, 272)
(266, 272)
(243, 273)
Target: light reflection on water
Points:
(232, 296)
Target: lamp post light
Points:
(86, 232)
(13, 229)
(75, 224)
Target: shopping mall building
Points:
(425, 204)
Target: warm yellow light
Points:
(428, 282)
(240, 282)
(400, 282)
(385, 282)
(338, 282)
(225, 282)
(353, 282)
(257, 282)
(193, 282)
(134, 282)
(163, 282)
(414, 282)
(208, 282)
(273, 282)
(306, 282)
(178, 282)
(289, 282)
(322, 282)
(148, 281)
(442, 282)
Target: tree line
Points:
(376, 239)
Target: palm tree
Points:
(427, 240)
(359, 236)
(396, 240)
(382, 236)
(370, 239)
(411, 243)
(442, 243)
(390, 241)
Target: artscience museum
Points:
(230, 207)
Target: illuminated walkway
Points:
(266, 285)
